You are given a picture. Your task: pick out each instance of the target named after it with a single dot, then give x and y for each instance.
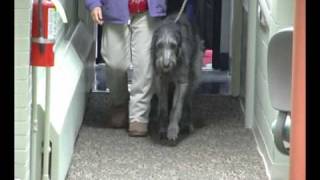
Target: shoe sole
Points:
(137, 134)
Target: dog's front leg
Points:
(186, 123)
(176, 111)
(163, 116)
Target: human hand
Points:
(96, 15)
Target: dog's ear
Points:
(153, 47)
(179, 44)
(153, 44)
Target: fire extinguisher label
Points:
(52, 23)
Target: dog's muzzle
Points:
(165, 65)
(166, 61)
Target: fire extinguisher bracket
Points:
(41, 40)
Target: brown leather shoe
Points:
(138, 129)
(119, 116)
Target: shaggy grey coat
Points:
(177, 57)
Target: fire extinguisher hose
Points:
(40, 21)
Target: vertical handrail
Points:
(298, 114)
(46, 137)
(46, 144)
(251, 59)
(34, 123)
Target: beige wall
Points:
(22, 88)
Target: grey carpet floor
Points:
(219, 149)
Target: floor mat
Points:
(219, 148)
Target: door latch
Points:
(281, 132)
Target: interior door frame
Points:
(298, 113)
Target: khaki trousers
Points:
(120, 46)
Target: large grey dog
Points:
(177, 52)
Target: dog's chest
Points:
(180, 74)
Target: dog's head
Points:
(166, 47)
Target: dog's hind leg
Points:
(176, 111)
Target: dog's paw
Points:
(163, 130)
(172, 133)
(191, 128)
(163, 133)
(186, 129)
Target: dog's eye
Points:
(159, 45)
(173, 45)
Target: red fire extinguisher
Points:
(43, 33)
(44, 16)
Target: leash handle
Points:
(181, 10)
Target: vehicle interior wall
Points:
(273, 15)
(238, 49)
(279, 15)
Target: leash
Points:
(181, 10)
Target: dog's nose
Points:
(167, 65)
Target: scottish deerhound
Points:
(176, 51)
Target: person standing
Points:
(128, 27)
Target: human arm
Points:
(94, 6)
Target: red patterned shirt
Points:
(138, 6)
